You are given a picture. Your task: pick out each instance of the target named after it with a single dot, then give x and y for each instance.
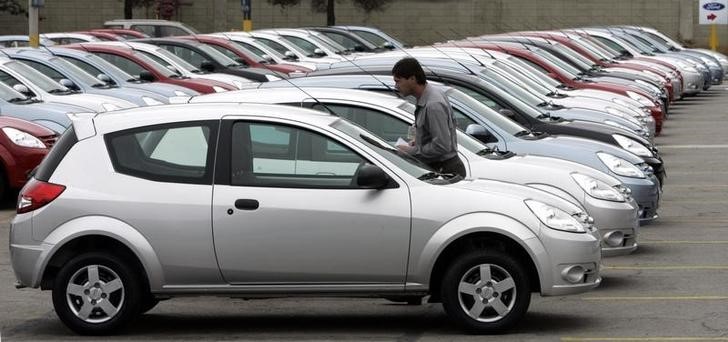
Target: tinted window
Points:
(123, 63)
(55, 75)
(382, 125)
(179, 153)
(189, 55)
(343, 40)
(166, 31)
(147, 29)
(273, 155)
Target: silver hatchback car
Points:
(258, 200)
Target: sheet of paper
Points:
(401, 142)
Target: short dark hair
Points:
(408, 67)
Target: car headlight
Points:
(21, 138)
(597, 189)
(555, 218)
(643, 100)
(620, 166)
(110, 106)
(150, 101)
(218, 89)
(632, 146)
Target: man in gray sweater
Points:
(435, 141)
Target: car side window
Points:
(43, 69)
(8, 79)
(276, 155)
(343, 40)
(462, 120)
(167, 31)
(148, 29)
(123, 63)
(177, 153)
(84, 66)
(188, 55)
(382, 125)
(482, 98)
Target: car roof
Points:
(292, 94)
(152, 115)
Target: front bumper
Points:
(565, 250)
(693, 83)
(614, 219)
(646, 192)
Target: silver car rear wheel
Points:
(95, 294)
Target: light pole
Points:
(33, 8)
(247, 19)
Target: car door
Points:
(288, 211)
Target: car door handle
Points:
(247, 204)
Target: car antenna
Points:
(456, 60)
(459, 47)
(470, 41)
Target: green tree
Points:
(12, 7)
(328, 6)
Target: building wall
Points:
(413, 21)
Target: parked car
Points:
(32, 83)
(23, 145)
(127, 34)
(64, 38)
(375, 36)
(21, 41)
(74, 78)
(105, 253)
(152, 27)
(146, 69)
(347, 39)
(111, 74)
(262, 50)
(210, 60)
(603, 197)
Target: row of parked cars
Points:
(261, 164)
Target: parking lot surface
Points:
(672, 288)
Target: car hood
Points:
(91, 101)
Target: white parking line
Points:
(669, 268)
(663, 338)
(681, 242)
(657, 298)
(691, 146)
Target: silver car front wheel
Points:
(486, 291)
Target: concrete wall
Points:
(414, 21)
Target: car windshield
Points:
(531, 71)
(160, 68)
(282, 48)
(474, 101)
(581, 61)
(405, 162)
(176, 60)
(218, 56)
(656, 47)
(523, 77)
(507, 84)
(558, 63)
(594, 50)
(252, 51)
(36, 78)
(370, 37)
(78, 73)
(303, 44)
(99, 66)
(9, 94)
(644, 49)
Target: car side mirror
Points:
(478, 132)
(173, 69)
(319, 52)
(68, 84)
(146, 76)
(207, 66)
(388, 45)
(370, 176)
(242, 61)
(105, 78)
(290, 56)
(268, 58)
(21, 88)
(359, 48)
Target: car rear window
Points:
(57, 153)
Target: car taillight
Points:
(36, 194)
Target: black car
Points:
(210, 60)
(455, 75)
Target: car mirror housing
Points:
(146, 76)
(104, 78)
(319, 52)
(21, 88)
(291, 56)
(207, 66)
(477, 131)
(68, 84)
(370, 176)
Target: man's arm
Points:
(435, 118)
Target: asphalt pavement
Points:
(674, 288)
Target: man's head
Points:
(409, 78)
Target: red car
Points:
(147, 69)
(23, 145)
(123, 33)
(237, 52)
(559, 75)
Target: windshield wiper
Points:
(429, 175)
(543, 116)
(18, 99)
(60, 91)
(484, 152)
(522, 133)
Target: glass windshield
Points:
(104, 67)
(251, 51)
(77, 72)
(176, 59)
(644, 49)
(611, 48)
(42, 81)
(506, 83)
(9, 94)
(594, 50)
(328, 42)
(408, 164)
(217, 56)
(581, 62)
(278, 46)
(156, 66)
(474, 102)
(303, 44)
(521, 76)
(558, 63)
(656, 47)
(534, 73)
(371, 37)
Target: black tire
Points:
(76, 277)
(513, 301)
(148, 303)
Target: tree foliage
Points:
(12, 6)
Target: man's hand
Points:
(407, 148)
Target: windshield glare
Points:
(36, 78)
(407, 164)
